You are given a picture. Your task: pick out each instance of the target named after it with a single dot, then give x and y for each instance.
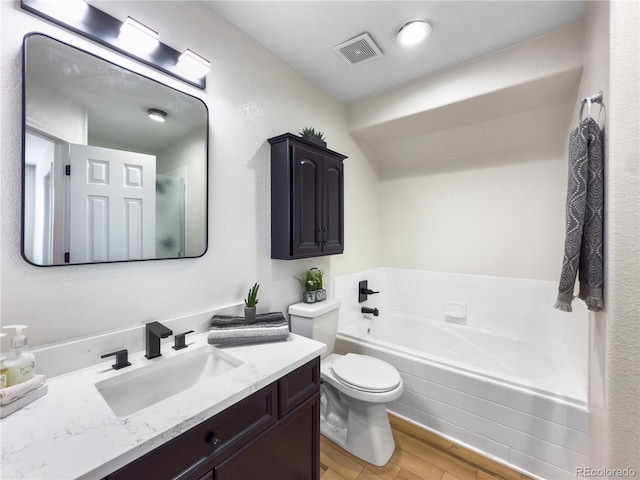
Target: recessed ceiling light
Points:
(413, 32)
(157, 115)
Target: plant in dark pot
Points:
(314, 136)
(250, 304)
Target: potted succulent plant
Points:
(314, 136)
(250, 304)
(312, 284)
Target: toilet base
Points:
(365, 432)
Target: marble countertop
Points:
(72, 433)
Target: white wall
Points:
(616, 432)
(502, 220)
(50, 114)
(186, 156)
(472, 161)
(251, 95)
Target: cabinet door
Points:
(333, 206)
(290, 450)
(306, 223)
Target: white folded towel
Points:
(13, 393)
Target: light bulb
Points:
(414, 32)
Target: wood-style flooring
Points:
(419, 455)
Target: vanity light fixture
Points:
(96, 25)
(193, 65)
(70, 10)
(138, 37)
(413, 32)
(157, 115)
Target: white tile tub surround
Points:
(535, 433)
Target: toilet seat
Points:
(364, 373)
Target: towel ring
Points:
(603, 111)
(597, 98)
(586, 100)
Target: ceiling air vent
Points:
(358, 50)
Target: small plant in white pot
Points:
(250, 304)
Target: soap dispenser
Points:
(20, 364)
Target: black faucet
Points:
(154, 331)
(370, 310)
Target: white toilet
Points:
(355, 387)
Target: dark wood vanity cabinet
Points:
(307, 199)
(274, 434)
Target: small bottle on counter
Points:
(20, 364)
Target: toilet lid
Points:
(366, 373)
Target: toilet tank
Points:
(316, 320)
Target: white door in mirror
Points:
(112, 198)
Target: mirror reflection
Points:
(115, 164)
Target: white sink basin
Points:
(133, 391)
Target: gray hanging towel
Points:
(585, 204)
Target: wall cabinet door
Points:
(307, 218)
(332, 207)
(307, 199)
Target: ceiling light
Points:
(413, 32)
(138, 37)
(193, 65)
(157, 115)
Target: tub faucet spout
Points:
(374, 311)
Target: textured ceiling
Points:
(303, 34)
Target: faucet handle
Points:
(179, 340)
(364, 291)
(122, 359)
(368, 291)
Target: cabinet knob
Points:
(212, 440)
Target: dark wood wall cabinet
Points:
(307, 199)
(274, 434)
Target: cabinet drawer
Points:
(218, 436)
(297, 386)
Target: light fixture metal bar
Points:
(101, 27)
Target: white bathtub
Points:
(515, 362)
(509, 383)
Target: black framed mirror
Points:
(115, 164)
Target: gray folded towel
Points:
(268, 327)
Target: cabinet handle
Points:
(318, 235)
(212, 440)
(325, 234)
